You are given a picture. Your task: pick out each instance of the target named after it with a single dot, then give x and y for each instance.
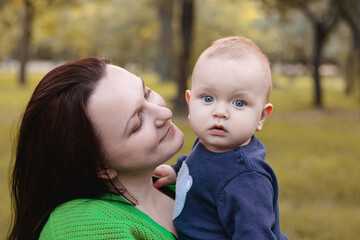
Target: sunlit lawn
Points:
(315, 153)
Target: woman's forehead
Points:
(115, 99)
(117, 87)
(121, 78)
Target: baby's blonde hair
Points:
(237, 48)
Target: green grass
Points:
(12, 101)
(315, 153)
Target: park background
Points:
(313, 135)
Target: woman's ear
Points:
(268, 108)
(107, 173)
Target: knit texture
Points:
(109, 217)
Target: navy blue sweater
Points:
(230, 195)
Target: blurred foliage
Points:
(127, 31)
(120, 30)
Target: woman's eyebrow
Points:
(143, 83)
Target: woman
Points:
(89, 141)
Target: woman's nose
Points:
(163, 114)
(160, 112)
(158, 100)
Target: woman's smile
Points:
(169, 131)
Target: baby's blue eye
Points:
(207, 99)
(238, 103)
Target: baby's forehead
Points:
(240, 74)
(248, 64)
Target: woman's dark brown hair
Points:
(57, 152)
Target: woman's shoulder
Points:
(78, 207)
(109, 216)
(108, 206)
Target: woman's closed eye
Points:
(139, 124)
(147, 93)
(140, 114)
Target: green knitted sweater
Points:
(109, 217)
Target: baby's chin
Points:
(217, 147)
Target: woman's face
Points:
(133, 123)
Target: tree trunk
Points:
(186, 37)
(165, 58)
(318, 45)
(25, 41)
(350, 12)
(352, 71)
(322, 27)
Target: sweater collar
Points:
(113, 197)
(255, 147)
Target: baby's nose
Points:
(220, 112)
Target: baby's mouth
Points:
(218, 130)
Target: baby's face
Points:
(227, 102)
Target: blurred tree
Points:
(28, 19)
(124, 31)
(187, 19)
(3, 2)
(75, 29)
(132, 34)
(323, 15)
(218, 19)
(165, 57)
(31, 8)
(292, 38)
(9, 15)
(350, 12)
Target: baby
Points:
(224, 188)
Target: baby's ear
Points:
(268, 108)
(187, 96)
(107, 173)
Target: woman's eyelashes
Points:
(138, 126)
(140, 114)
(147, 93)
